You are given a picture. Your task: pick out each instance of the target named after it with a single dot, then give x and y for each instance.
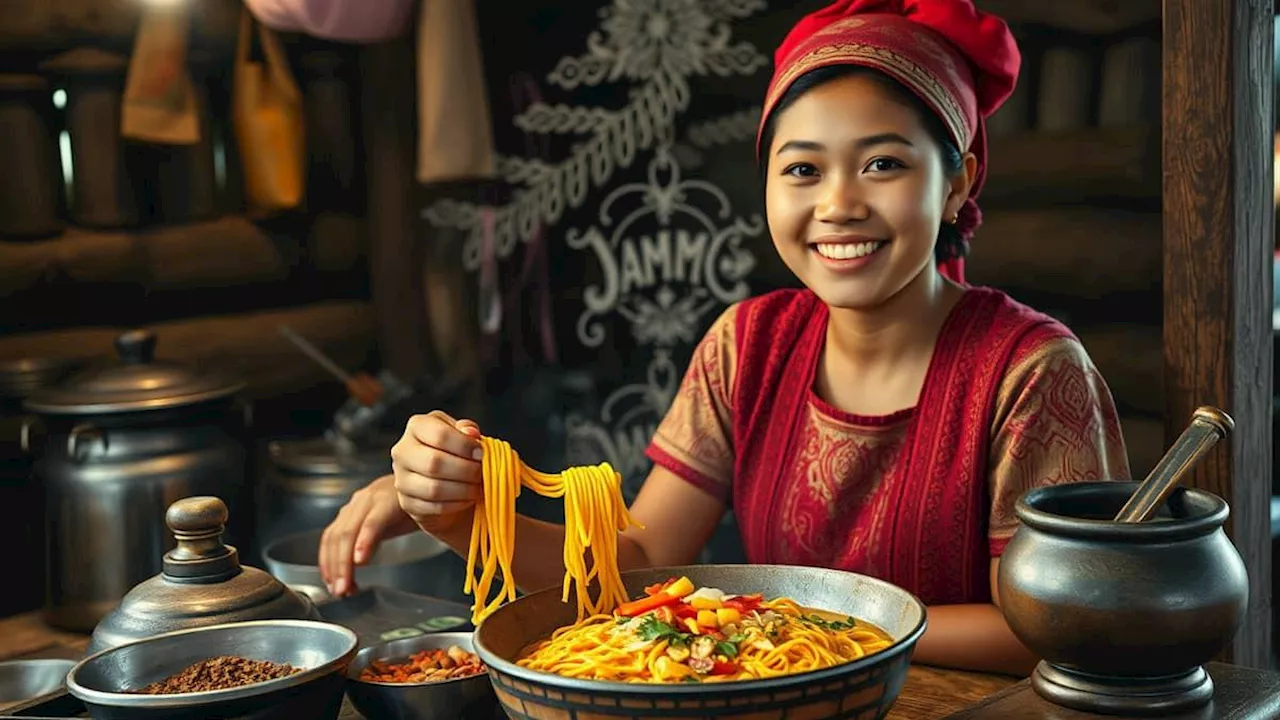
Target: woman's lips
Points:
(848, 255)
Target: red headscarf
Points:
(961, 62)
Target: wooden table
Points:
(930, 694)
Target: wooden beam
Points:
(1075, 252)
(1047, 168)
(395, 266)
(248, 345)
(49, 25)
(229, 251)
(1093, 17)
(1218, 224)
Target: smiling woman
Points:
(884, 419)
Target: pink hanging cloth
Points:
(338, 20)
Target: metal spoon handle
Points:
(1208, 426)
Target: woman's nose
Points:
(841, 202)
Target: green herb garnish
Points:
(729, 646)
(846, 624)
(651, 628)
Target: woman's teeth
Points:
(847, 251)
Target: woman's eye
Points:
(884, 165)
(801, 170)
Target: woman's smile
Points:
(848, 252)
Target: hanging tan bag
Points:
(268, 121)
(159, 98)
(455, 135)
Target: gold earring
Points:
(954, 219)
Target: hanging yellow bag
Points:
(267, 117)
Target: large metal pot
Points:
(122, 441)
(25, 529)
(306, 483)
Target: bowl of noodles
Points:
(724, 641)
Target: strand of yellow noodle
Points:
(594, 511)
(592, 649)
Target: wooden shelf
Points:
(1076, 166)
(229, 251)
(248, 345)
(1080, 252)
(1093, 17)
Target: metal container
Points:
(102, 192)
(470, 696)
(1124, 615)
(202, 584)
(120, 442)
(415, 563)
(103, 681)
(24, 528)
(22, 680)
(30, 187)
(306, 483)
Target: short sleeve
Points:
(1055, 423)
(695, 438)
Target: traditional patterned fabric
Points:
(961, 62)
(922, 499)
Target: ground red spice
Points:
(219, 673)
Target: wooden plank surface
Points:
(1239, 694)
(1218, 243)
(59, 24)
(1076, 252)
(247, 345)
(1071, 166)
(229, 251)
(1096, 17)
(933, 693)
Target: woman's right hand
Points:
(437, 470)
(372, 515)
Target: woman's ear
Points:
(961, 182)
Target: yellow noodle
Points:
(595, 513)
(597, 648)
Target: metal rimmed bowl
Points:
(470, 696)
(26, 679)
(414, 562)
(864, 689)
(324, 651)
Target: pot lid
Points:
(20, 377)
(202, 583)
(320, 456)
(137, 381)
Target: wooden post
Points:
(1218, 220)
(388, 106)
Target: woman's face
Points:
(856, 192)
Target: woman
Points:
(885, 419)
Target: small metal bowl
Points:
(470, 696)
(26, 679)
(324, 650)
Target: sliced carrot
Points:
(645, 604)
